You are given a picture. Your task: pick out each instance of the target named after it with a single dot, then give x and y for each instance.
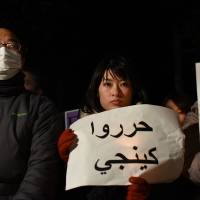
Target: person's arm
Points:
(43, 177)
(192, 146)
(191, 117)
(194, 170)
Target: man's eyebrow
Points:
(13, 40)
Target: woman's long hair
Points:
(119, 67)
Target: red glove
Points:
(138, 190)
(66, 142)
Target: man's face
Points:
(9, 40)
(10, 54)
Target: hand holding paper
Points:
(66, 143)
(138, 190)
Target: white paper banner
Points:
(139, 140)
(198, 89)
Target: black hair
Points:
(120, 67)
(17, 27)
(182, 100)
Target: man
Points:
(29, 128)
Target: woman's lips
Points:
(116, 102)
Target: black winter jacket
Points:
(29, 128)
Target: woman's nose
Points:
(116, 91)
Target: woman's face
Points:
(181, 115)
(114, 92)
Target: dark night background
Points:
(66, 39)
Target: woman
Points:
(113, 85)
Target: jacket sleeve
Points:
(192, 146)
(43, 175)
(194, 170)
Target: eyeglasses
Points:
(11, 45)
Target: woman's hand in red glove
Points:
(138, 190)
(66, 143)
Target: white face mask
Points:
(10, 63)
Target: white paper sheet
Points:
(198, 89)
(139, 140)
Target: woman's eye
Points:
(107, 84)
(125, 84)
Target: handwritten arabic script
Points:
(106, 130)
(125, 160)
